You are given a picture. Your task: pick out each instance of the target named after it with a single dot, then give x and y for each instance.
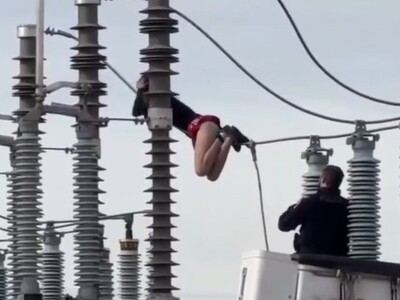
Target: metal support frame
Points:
(363, 195)
(53, 265)
(317, 159)
(159, 55)
(106, 289)
(25, 205)
(88, 62)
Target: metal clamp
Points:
(361, 133)
(315, 148)
(159, 118)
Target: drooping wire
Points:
(53, 31)
(266, 88)
(323, 69)
(260, 193)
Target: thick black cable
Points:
(266, 88)
(323, 69)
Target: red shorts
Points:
(195, 125)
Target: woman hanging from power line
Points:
(211, 142)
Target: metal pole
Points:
(53, 265)
(317, 159)
(40, 15)
(88, 62)
(106, 289)
(26, 210)
(363, 190)
(159, 55)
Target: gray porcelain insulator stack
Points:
(317, 159)
(129, 270)
(363, 181)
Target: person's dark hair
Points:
(336, 173)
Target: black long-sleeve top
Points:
(323, 221)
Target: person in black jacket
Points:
(322, 217)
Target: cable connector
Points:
(136, 121)
(252, 146)
(67, 150)
(361, 133)
(7, 118)
(52, 31)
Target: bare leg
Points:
(207, 148)
(219, 164)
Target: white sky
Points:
(357, 40)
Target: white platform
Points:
(274, 276)
(267, 276)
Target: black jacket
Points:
(323, 221)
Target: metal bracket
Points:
(61, 109)
(51, 236)
(7, 141)
(128, 218)
(128, 226)
(34, 115)
(52, 31)
(315, 148)
(59, 85)
(361, 133)
(7, 118)
(159, 118)
(70, 111)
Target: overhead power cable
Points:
(322, 137)
(266, 88)
(323, 69)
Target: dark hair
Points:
(337, 174)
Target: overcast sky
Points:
(357, 40)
